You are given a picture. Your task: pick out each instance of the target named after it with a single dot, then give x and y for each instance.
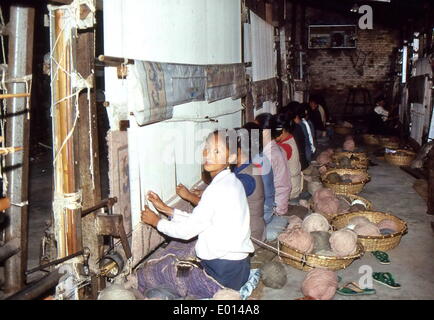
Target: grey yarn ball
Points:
(320, 241)
(273, 275)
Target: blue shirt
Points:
(268, 180)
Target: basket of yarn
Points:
(356, 160)
(371, 139)
(377, 231)
(355, 200)
(389, 142)
(400, 157)
(307, 246)
(346, 181)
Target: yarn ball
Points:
(388, 224)
(320, 241)
(315, 222)
(313, 186)
(294, 222)
(327, 206)
(344, 205)
(297, 239)
(367, 229)
(359, 220)
(116, 292)
(304, 203)
(322, 193)
(357, 207)
(349, 145)
(320, 284)
(273, 275)
(356, 178)
(343, 242)
(329, 151)
(226, 294)
(345, 162)
(322, 170)
(386, 232)
(324, 158)
(334, 178)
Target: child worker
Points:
(221, 222)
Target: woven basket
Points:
(351, 188)
(343, 130)
(389, 142)
(370, 139)
(311, 261)
(400, 160)
(378, 243)
(362, 163)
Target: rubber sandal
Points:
(385, 278)
(352, 289)
(381, 256)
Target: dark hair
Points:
(269, 121)
(314, 98)
(380, 98)
(301, 111)
(284, 121)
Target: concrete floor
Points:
(412, 263)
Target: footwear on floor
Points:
(385, 278)
(353, 289)
(381, 256)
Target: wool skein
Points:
(297, 239)
(322, 193)
(315, 222)
(343, 242)
(367, 229)
(388, 224)
(320, 284)
(273, 275)
(327, 206)
(320, 241)
(294, 222)
(359, 220)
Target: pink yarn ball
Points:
(294, 222)
(343, 242)
(327, 206)
(322, 170)
(324, 158)
(320, 284)
(298, 239)
(359, 220)
(315, 222)
(367, 229)
(388, 224)
(349, 145)
(329, 151)
(322, 193)
(356, 178)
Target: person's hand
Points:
(183, 192)
(149, 217)
(159, 204)
(197, 192)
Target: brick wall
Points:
(331, 71)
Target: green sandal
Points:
(386, 278)
(352, 289)
(381, 256)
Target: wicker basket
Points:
(378, 243)
(311, 261)
(362, 163)
(343, 130)
(389, 142)
(351, 188)
(353, 197)
(370, 139)
(400, 160)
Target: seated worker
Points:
(287, 142)
(299, 118)
(318, 116)
(221, 222)
(379, 119)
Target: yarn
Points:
(322, 193)
(329, 151)
(313, 186)
(320, 284)
(320, 241)
(327, 206)
(359, 220)
(356, 178)
(226, 294)
(386, 232)
(349, 145)
(273, 275)
(367, 229)
(345, 162)
(323, 158)
(388, 224)
(297, 239)
(334, 178)
(344, 242)
(293, 222)
(344, 205)
(322, 170)
(315, 222)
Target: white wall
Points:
(176, 31)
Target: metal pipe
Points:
(38, 288)
(20, 60)
(9, 249)
(55, 262)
